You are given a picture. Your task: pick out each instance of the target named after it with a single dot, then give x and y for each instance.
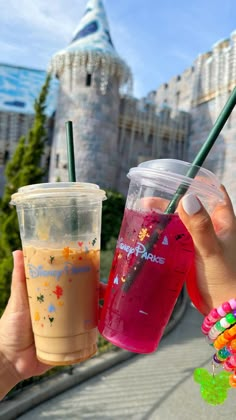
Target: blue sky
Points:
(157, 38)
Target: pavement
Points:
(158, 386)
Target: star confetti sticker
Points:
(94, 241)
(143, 234)
(66, 252)
(116, 280)
(119, 256)
(36, 316)
(40, 298)
(52, 259)
(58, 292)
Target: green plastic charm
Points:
(213, 387)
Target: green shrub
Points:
(112, 214)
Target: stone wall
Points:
(95, 125)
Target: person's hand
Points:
(16, 336)
(213, 280)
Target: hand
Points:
(18, 359)
(16, 336)
(213, 279)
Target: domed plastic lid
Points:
(171, 173)
(78, 190)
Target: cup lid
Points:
(60, 189)
(172, 173)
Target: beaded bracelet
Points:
(225, 337)
(222, 325)
(216, 314)
(220, 328)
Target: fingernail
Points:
(191, 204)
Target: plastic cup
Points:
(145, 280)
(60, 226)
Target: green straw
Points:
(70, 151)
(71, 174)
(205, 149)
(181, 190)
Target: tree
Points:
(24, 168)
(112, 213)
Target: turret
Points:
(91, 74)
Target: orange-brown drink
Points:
(60, 232)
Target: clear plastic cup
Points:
(60, 226)
(153, 256)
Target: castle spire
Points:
(93, 30)
(91, 48)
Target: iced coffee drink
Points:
(60, 227)
(63, 281)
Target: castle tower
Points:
(91, 74)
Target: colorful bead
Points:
(213, 315)
(227, 335)
(232, 381)
(223, 353)
(205, 329)
(225, 323)
(215, 358)
(232, 303)
(233, 330)
(218, 326)
(228, 366)
(207, 323)
(221, 311)
(226, 307)
(233, 346)
(230, 318)
(232, 360)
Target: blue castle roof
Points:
(93, 31)
(92, 47)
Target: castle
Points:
(114, 131)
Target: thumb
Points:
(199, 224)
(18, 300)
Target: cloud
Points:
(53, 18)
(32, 32)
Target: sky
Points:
(158, 39)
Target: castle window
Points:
(6, 157)
(57, 160)
(88, 79)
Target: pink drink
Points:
(136, 312)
